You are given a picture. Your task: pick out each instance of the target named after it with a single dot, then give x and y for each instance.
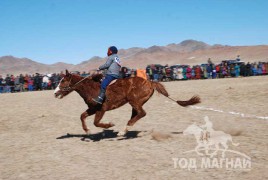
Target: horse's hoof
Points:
(111, 124)
(121, 133)
(87, 132)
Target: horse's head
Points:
(65, 85)
(192, 129)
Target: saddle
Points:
(98, 78)
(113, 81)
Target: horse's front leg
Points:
(98, 117)
(83, 117)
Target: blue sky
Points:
(72, 31)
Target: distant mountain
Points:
(13, 65)
(86, 65)
(188, 46)
(195, 52)
(126, 53)
(93, 59)
(187, 52)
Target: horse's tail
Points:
(162, 90)
(194, 100)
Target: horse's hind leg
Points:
(83, 117)
(137, 113)
(98, 117)
(134, 113)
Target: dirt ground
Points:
(42, 138)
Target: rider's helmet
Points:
(112, 50)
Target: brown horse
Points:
(136, 91)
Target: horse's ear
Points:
(67, 73)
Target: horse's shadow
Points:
(105, 134)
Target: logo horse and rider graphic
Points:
(208, 139)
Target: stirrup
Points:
(98, 100)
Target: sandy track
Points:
(35, 144)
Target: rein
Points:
(69, 88)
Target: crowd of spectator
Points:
(22, 83)
(154, 72)
(226, 69)
(35, 82)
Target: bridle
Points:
(69, 88)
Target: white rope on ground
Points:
(230, 112)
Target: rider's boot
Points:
(100, 97)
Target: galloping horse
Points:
(135, 90)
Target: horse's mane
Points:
(97, 77)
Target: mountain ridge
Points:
(186, 52)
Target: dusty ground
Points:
(35, 143)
